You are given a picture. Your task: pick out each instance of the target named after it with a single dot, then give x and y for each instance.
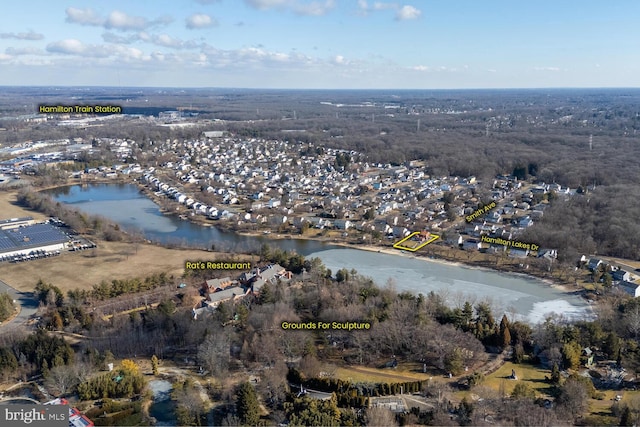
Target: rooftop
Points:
(30, 236)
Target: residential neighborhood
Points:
(263, 185)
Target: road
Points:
(28, 307)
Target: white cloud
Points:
(76, 47)
(200, 20)
(31, 35)
(315, 8)
(408, 12)
(339, 60)
(553, 69)
(166, 40)
(121, 21)
(86, 16)
(114, 38)
(163, 40)
(300, 7)
(113, 52)
(436, 69)
(266, 4)
(255, 58)
(116, 20)
(401, 12)
(378, 5)
(24, 51)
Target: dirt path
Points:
(395, 377)
(495, 364)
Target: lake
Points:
(520, 296)
(125, 205)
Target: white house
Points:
(343, 224)
(631, 288)
(273, 203)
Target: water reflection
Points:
(134, 212)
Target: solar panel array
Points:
(30, 236)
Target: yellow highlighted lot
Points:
(412, 243)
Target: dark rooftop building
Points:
(21, 240)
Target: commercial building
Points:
(18, 239)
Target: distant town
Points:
(270, 185)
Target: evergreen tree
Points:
(571, 355)
(612, 345)
(467, 316)
(342, 275)
(154, 364)
(505, 333)
(625, 418)
(247, 404)
(523, 391)
(555, 374)
(518, 353)
(266, 295)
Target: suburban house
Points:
(594, 263)
(471, 244)
(550, 254)
(631, 288)
(620, 275)
(342, 224)
(518, 253)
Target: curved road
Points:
(28, 307)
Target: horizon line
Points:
(328, 89)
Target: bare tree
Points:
(64, 378)
(214, 352)
(573, 398)
(633, 321)
(189, 405)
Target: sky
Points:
(321, 44)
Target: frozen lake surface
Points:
(517, 295)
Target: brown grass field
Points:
(110, 260)
(10, 209)
(366, 374)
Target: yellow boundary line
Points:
(399, 245)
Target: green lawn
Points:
(532, 375)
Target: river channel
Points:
(519, 296)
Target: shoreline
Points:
(438, 260)
(442, 261)
(326, 240)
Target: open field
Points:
(110, 260)
(534, 376)
(10, 209)
(365, 374)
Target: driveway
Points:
(28, 307)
